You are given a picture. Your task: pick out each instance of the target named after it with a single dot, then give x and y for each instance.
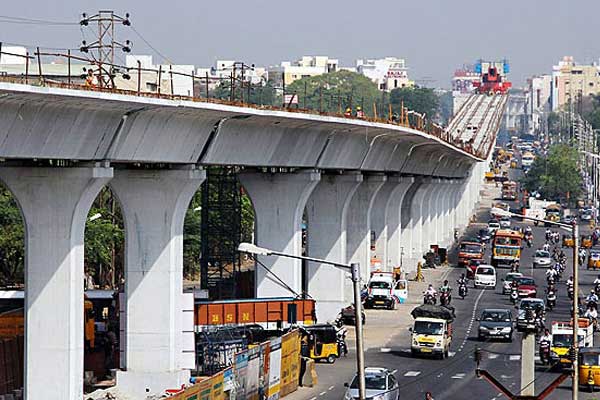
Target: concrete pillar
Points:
(55, 204)
(408, 214)
(450, 208)
(154, 204)
(326, 211)
(279, 201)
(359, 225)
(395, 249)
(413, 237)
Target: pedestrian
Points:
(428, 396)
(110, 345)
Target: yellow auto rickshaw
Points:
(594, 259)
(513, 164)
(586, 241)
(567, 241)
(319, 342)
(589, 367)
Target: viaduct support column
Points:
(55, 204)
(326, 211)
(279, 201)
(359, 226)
(154, 204)
(434, 212)
(395, 249)
(417, 233)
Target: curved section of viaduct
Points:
(355, 181)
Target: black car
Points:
(496, 323)
(484, 235)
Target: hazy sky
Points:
(434, 36)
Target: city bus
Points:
(506, 247)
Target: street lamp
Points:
(355, 270)
(574, 228)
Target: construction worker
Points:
(359, 112)
(90, 79)
(348, 112)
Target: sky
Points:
(434, 36)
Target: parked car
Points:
(493, 226)
(508, 280)
(495, 323)
(380, 384)
(505, 222)
(542, 258)
(485, 276)
(526, 286)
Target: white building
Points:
(388, 73)
(16, 56)
(224, 69)
(538, 101)
(171, 79)
(306, 67)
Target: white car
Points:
(542, 259)
(493, 226)
(485, 276)
(508, 280)
(505, 222)
(380, 384)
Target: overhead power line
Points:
(32, 21)
(165, 58)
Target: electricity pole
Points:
(103, 48)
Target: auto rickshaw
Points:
(567, 241)
(513, 164)
(319, 342)
(594, 259)
(586, 241)
(589, 367)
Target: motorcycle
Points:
(551, 299)
(429, 299)
(341, 341)
(514, 295)
(445, 298)
(545, 352)
(550, 280)
(529, 242)
(597, 287)
(462, 290)
(570, 292)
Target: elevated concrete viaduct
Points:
(351, 178)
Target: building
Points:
(462, 85)
(174, 79)
(571, 81)
(537, 99)
(307, 66)
(388, 73)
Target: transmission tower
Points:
(103, 48)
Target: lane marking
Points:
(313, 398)
(458, 376)
(451, 353)
(322, 393)
(331, 387)
(492, 356)
(413, 373)
(514, 357)
(385, 349)
(464, 342)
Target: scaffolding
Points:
(221, 225)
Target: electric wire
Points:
(286, 286)
(33, 21)
(165, 58)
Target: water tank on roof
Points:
(478, 67)
(506, 68)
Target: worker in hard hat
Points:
(348, 112)
(359, 112)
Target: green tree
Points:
(334, 92)
(267, 94)
(12, 245)
(421, 100)
(556, 175)
(191, 237)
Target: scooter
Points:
(462, 290)
(445, 298)
(514, 295)
(545, 352)
(341, 341)
(429, 299)
(551, 300)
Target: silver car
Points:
(542, 259)
(508, 280)
(381, 385)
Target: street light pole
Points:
(575, 390)
(355, 271)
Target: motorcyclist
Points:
(592, 297)
(551, 273)
(528, 231)
(597, 280)
(462, 280)
(582, 254)
(548, 234)
(570, 281)
(546, 246)
(430, 291)
(545, 340)
(445, 288)
(591, 313)
(546, 337)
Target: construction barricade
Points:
(271, 369)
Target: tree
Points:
(334, 92)
(556, 175)
(191, 237)
(12, 244)
(421, 100)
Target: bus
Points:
(506, 247)
(509, 190)
(553, 213)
